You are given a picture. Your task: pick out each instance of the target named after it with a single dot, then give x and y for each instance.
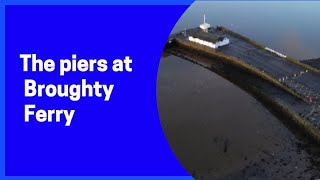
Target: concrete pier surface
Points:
(313, 62)
(283, 84)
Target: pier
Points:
(284, 85)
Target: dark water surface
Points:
(217, 130)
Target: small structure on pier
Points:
(204, 37)
(205, 26)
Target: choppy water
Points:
(216, 129)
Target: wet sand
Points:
(218, 131)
